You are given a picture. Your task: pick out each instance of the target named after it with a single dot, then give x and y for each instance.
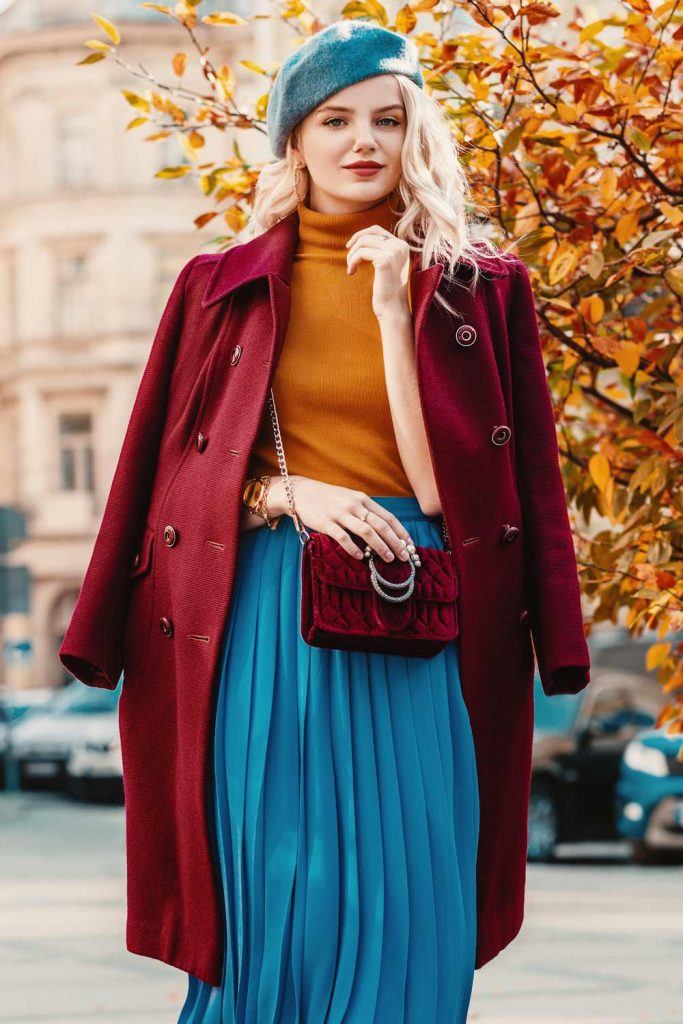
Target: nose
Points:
(364, 138)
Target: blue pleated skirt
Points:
(346, 815)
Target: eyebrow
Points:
(349, 110)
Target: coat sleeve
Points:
(555, 599)
(92, 647)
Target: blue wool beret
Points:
(338, 56)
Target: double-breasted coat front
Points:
(156, 594)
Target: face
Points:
(365, 122)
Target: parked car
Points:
(44, 740)
(95, 768)
(650, 796)
(14, 706)
(578, 744)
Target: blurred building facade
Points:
(90, 245)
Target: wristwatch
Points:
(254, 498)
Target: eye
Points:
(392, 119)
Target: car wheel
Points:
(543, 822)
(641, 853)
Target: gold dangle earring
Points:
(296, 183)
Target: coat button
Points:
(166, 626)
(235, 354)
(465, 335)
(201, 442)
(170, 535)
(510, 533)
(136, 559)
(524, 617)
(501, 435)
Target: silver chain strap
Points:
(304, 535)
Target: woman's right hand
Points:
(335, 511)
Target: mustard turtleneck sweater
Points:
(329, 384)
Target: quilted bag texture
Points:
(340, 608)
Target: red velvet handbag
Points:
(346, 604)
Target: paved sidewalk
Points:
(602, 942)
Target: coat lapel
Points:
(272, 253)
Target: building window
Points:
(74, 150)
(76, 452)
(71, 299)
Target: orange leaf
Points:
(179, 63)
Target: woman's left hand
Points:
(390, 257)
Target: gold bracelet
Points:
(272, 524)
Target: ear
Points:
(293, 145)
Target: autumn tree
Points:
(572, 134)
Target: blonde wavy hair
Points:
(438, 217)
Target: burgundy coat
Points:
(156, 594)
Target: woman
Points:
(303, 824)
(346, 790)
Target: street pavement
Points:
(602, 941)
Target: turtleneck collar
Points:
(326, 231)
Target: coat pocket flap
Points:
(142, 559)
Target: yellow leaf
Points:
(97, 44)
(234, 218)
(512, 140)
(563, 263)
(406, 20)
(135, 122)
(92, 58)
(261, 106)
(591, 31)
(640, 139)
(225, 78)
(664, 8)
(107, 27)
(250, 66)
(223, 18)
(672, 213)
(365, 9)
(608, 185)
(567, 113)
(173, 172)
(656, 656)
(627, 358)
(139, 102)
(626, 227)
(599, 469)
